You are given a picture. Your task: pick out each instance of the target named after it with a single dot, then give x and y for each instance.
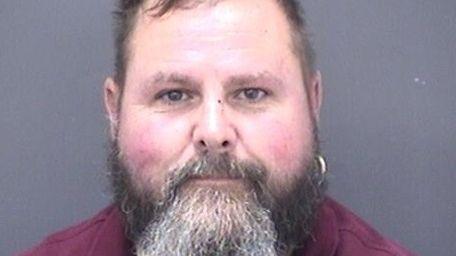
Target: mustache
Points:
(215, 165)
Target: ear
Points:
(315, 94)
(111, 94)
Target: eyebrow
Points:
(262, 78)
(174, 78)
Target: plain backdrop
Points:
(388, 125)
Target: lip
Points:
(216, 181)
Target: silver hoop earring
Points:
(321, 163)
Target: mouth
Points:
(216, 179)
(217, 182)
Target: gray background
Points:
(388, 124)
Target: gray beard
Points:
(264, 219)
(207, 221)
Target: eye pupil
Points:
(251, 93)
(175, 95)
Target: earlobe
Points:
(111, 94)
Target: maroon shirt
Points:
(338, 232)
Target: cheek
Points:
(138, 146)
(142, 156)
(287, 147)
(283, 146)
(150, 144)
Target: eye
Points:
(173, 96)
(252, 94)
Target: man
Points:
(213, 112)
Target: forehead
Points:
(247, 33)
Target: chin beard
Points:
(261, 218)
(208, 221)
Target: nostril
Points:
(202, 143)
(225, 144)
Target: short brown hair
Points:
(125, 17)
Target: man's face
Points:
(220, 78)
(214, 79)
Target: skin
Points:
(217, 78)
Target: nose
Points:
(214, 131)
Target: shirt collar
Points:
(111, 239)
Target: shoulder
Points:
(75, 240)
(356, 237)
